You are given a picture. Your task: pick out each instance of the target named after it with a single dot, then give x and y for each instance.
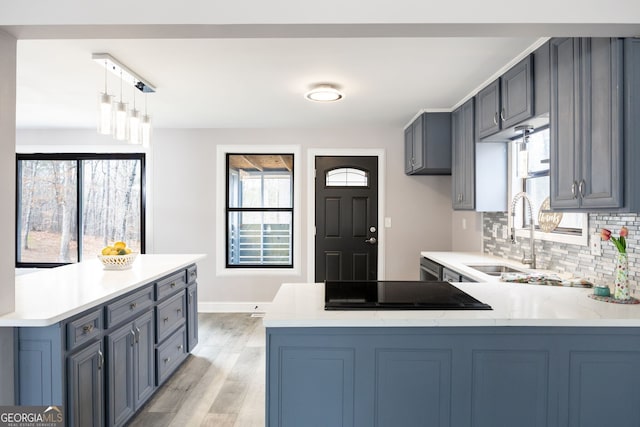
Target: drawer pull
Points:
(166, 319)
(133, 305)
(172, 285)
(179, 310)
(87, 329)
(180, 347)
(167, 360)
(192, 273)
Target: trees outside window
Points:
(69, 206)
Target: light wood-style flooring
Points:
(221, 384)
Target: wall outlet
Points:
(387, 222)
(595, 243)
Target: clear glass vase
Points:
(621, 289)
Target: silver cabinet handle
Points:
(180, 347)
(172, 285)
(133, 305)
(87, 329)
(100, 359)
(371, 241)
(179, 310)
(166, 319)
(167, 360)
(573, 190)
(502, 115)
(137, 335)
(133, 334)
(495, 118)
(581, 187)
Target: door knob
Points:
(371, 240)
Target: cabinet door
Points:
(408, 150)
(600, 184)
(85, 387)
(418, 143)
(516, 93)
(120, 347)
(463, 152)
(563, 120)
(487, 110)
(192, 316)
(144, 359)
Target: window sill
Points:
(582, 240)
(251, 272)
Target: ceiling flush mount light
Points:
(324, 93)
(114, 118)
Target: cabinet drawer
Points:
(170, 354)
(192, 274)
(170, 315)
(170, 285)
(129, 306)
(84, 329)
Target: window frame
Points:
(574, 236)
(228, 210)
(78, 158)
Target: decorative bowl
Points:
(117, 262)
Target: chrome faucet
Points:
(531, 261)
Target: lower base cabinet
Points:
(453, 376)
(85, 386)
(102, 365)
(131, 368)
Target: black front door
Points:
(346, 218)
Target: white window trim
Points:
(311, 202)
(221, 180)
(582, 240)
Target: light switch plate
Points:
(387, 222)
(505, 232)
(595, 243)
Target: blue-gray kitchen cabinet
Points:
(506, 101)
(85, 386)
(131, 368)
(586, 122)
(427, 142)
(463, 183)
(192, 316)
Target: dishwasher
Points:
(430, 271)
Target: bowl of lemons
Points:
(117, 256)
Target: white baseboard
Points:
(232, 307)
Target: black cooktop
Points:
(397, 295)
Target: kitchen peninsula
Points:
(544, 356)
(99, 342)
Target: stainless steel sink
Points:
(495, 269)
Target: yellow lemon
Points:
(113, 252)
(119, 245)
(127, 250)
(106, 250)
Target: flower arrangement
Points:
(620, 242)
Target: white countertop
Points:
(48, 296)
(514, 304)
(460, 261)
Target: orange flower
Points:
(605, 234)
(624, 232)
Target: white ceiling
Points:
(248, 63)
(256, 83)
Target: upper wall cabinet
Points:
(427, 144)
(507, 101)
(586, 122)
(463, 157)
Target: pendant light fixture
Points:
(134, 122)
(104, 108)
(113, 116)
(145, 126)
(120, 117)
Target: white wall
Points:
(466, 231)
(7, 215)
(183, 207)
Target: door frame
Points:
(312, 153)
